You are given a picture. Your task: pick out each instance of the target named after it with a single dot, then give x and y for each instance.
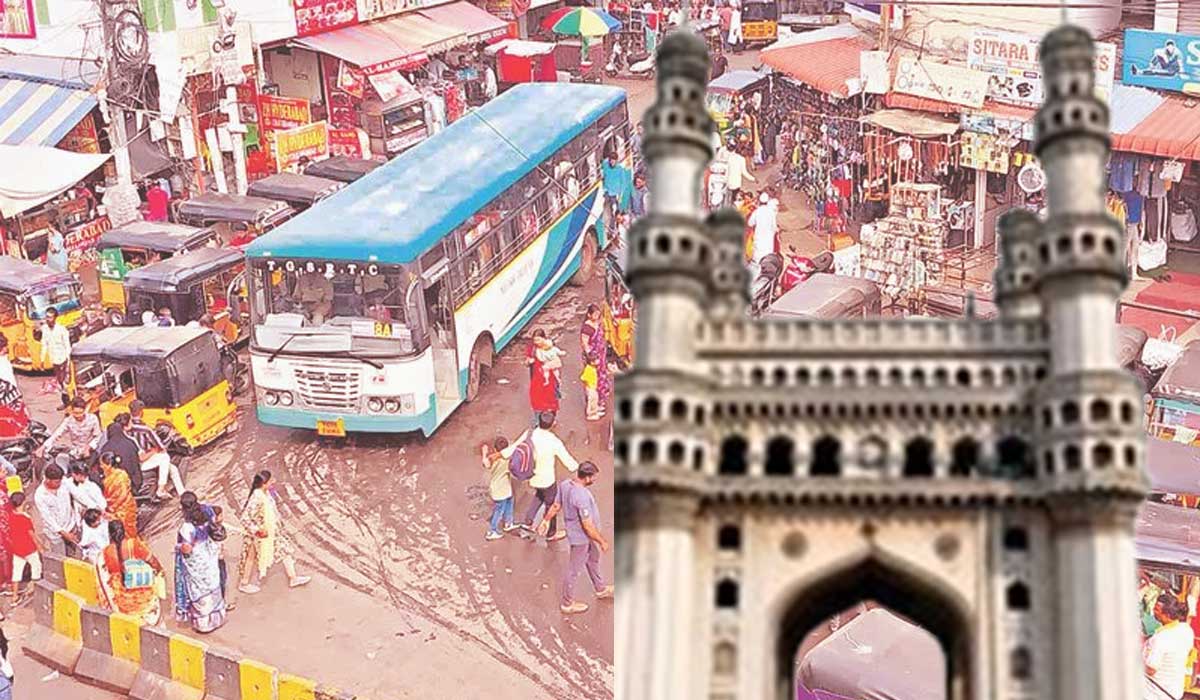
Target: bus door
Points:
(440, 308)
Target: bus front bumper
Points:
(424, 423)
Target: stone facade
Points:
(978, 477)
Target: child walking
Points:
(499, 487)
(24, 547)
(591, 382)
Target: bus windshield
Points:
(325, 307)
(63, 297)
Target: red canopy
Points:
(824, 65)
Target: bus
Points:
(381, 308)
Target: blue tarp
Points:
(397, 211)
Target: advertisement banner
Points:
(80, 242)
(281, 113)
(374, 9)
(17, 20)
(346, 142)
(937, 81)
(310, 142)
(317, 16)
(83, 138)
(1163, 61)
(1011, 61)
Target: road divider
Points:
(118, 653)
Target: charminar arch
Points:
(978, 477)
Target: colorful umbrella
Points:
(581, 21)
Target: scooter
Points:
(20, 451)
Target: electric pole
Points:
(121, 201)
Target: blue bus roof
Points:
(399, 210)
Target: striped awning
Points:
(40, 114)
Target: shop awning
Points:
(1129, 105)
(431, 36)
(402, 42)
(478, 25)
(903, 121)
(520, 47)
(900, 100)
(1172, 130)
(44, 174)
(829, 66)
(40, 114)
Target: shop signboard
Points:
(346, 142)
(374, 9)
(310, 141)
(984, 152)
(82, 138)
(1015, 73)
(282, 113)
(938, 81)
(317, 16)
(984, 123)
(80, 242)
(1163, 61)
(17, 20)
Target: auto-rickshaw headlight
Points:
(392, 405)
(271, 398)
(375, 405)
(285, 398)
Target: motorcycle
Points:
(619, 64)
(780, 273)
(20, 450)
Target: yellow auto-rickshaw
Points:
(181, 373)
(27, 290)
(760, 21)
(208, 281)
(136, 244)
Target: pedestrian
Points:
(217, 531)
(499, 488)
(770, 136)
(6, 670)
(60, 522)
(543, 392)
(724, 20)
(198, 596)
(615, 185)
(158, 202)
(152, 452)
(581, 520)
(85, 493)
(735, 27)
(24, 546)
(125, 450)
(131, 577)
(736, 172)
(548, 449)
(56, 250)
(165, 319)
(1166, 652)
(267, 541)
(93, 536)
(590, 378)
(56, 351)
(764, 220)
(593, 343)
(6, 510)
(640, 191)
(118, 494)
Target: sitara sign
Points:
(306, 142)
(280, 113)
(1163, 61)
(1015, 75)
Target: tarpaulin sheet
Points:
(476, 24)
(823, 65)
(903, 121)
(40, 114)
(1171, 131)
(44, 173)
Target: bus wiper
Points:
(360, 358)
(279, 349)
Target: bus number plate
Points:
(331, 428)
(383, 330)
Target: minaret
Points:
(730, 278)
(1016, 276)
(670, 274)
(1089, 409)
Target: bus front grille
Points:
(326, 388)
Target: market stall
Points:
(904, 251)
(522, 61)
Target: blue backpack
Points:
(520, 461)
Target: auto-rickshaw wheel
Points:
(116, 318)
(587, 262)
(176, 444)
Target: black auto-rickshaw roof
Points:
(290, 187)
(18, 276)
(736, 80)
(341, 168)
(129, 344)
(176, 273)
(161, 237)
(236, 208)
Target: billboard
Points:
(1161, 60)
(1015, 75)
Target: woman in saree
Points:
(118, 558)
(543, 386)
(594, 344)
(266, 541)
(118, 494)
(198, 598)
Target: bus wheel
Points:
(587, 262)
(481, 361)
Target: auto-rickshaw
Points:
(341, 168)
(206, 281)
(1174, 403)
(299, 191)
(828, 296)
(27, 290)
(238, 219)
(136, 244)
(732, 88)
(760, 21)
(180, 373)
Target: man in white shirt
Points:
(60, 523)
(1166, 652)
(735, 172)
(85, 493)
(547, 449)
(56, 350)
(735, 27)
(764, 220)
(489, 83)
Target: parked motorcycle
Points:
(20, 451)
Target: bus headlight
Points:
(271, 398)
(375, 405)
(285, 398)
(392, 405)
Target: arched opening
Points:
(1020, 664)
(914, 600)
(679, 410)
(724, 659)
(727, 595)
(964, 457)
(1014, 459)
(733, 456)
(826, 457)
(918, 458)
(651, 408)
(676, 453)
(729, 538)
(780, 460)
(648, 452)
(1017, 598)
(1016, 539)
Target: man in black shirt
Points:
(120, 444)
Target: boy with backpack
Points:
(533, 458)
(499, 487)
